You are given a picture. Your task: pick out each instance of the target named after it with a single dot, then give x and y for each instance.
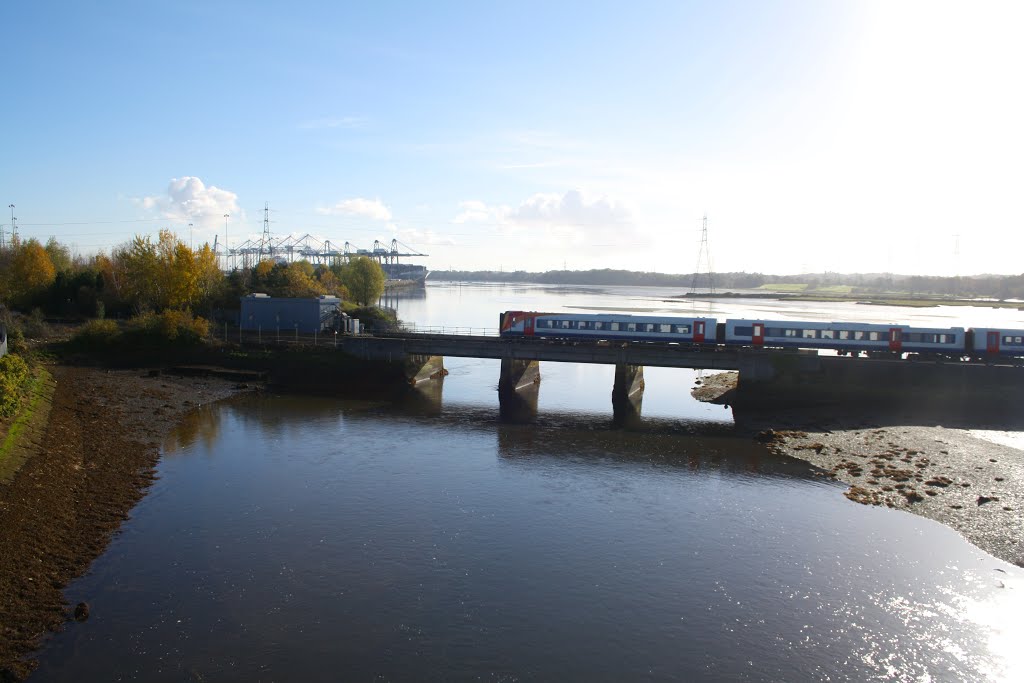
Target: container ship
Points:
(404, 275)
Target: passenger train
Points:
(873, 340)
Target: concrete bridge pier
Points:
(518, 389)
(627, 393)
(424, 398)
(420, 368)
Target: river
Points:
(316, 539)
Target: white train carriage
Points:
(988, 342)
(852, 338)
(607, 326)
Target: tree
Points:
(364, 279)
(135, 273)
(299, 281)
(30, 272)
(60, 256)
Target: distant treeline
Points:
(989, 286)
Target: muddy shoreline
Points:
(945, 466)
(90, 463)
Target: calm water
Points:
(297, 539)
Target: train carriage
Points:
(852, 338)
(608, 326)
(988, 342)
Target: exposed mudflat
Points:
(86, 468)
(965, 472)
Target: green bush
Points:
(98, 333)
(14, 376)
(176, 326)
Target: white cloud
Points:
(373, 209)
(475, 211)
(571, 209)
(189, 200)
(544, 231)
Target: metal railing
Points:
(446, 330)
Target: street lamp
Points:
(227, 266)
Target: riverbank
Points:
(968, 476)
(84, 469)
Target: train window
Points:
(827, 334)
(614, 327)
(773, 332)
(844, 334)
(598, 325)
(685, 329)
(630, 327)
(1018, 340)
(790, 333)
(859, 335)
(583, 325)
(664, 328)
(916, 337)
(810, 334)
(744, 331)
(565, 324)
(874, 336)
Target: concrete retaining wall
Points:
(807, 378)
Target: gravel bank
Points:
(967, 473)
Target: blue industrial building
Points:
(307, 315)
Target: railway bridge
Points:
(423, 358)
(766, 376)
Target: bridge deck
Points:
(652, 355)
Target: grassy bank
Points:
(27, 424)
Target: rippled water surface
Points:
(291, 538)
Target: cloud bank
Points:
(189, 200)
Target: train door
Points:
(992, 341)
(528, 326)
(698, 331)
(895, 339)
(758, 336)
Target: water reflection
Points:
(199, 426)
(322, 539)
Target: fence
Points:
(290, 336)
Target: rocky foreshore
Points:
(967, 476)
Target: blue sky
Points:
(816, 135)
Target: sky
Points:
(815, 135)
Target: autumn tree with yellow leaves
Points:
(165, 274)
(27, 271)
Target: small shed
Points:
(308, 315)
